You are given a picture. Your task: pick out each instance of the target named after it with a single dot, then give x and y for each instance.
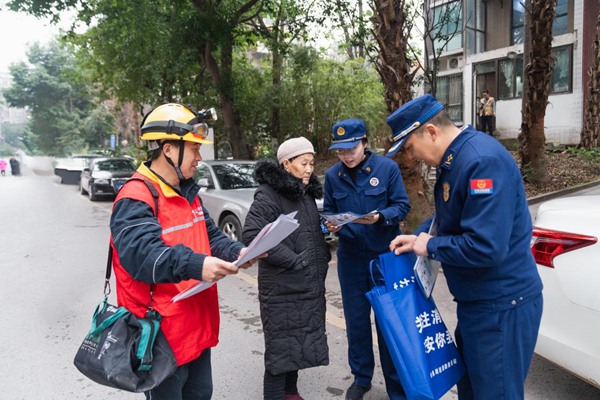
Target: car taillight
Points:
(547, 244)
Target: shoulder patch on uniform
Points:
(482, 186)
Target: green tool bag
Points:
(125, 352)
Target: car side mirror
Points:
(204, 183)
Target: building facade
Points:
(486, 53)
(10, 115)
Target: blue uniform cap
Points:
(347, 133)
(409, 117)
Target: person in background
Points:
(3, 165)
(362, 182)
(160, 252)
(483, 242)
(487, 112)
(291, 279)
(15, 167)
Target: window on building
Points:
(475, 27)
(510, 78)
(447, 20)
(518, 22)
(559, 27)
(563, 70)
(450, 93)
(510, 74)
(560, 23)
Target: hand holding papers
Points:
(345, 218)
(270, 236)
(426, 270)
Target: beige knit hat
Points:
(294, 147)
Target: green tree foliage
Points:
(153, 51)
(280, 24)
(315, 93)
(57, 102)
(328, 92)
(14, 136)
(144, 51)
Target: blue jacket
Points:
(378, 186)
(483, 223)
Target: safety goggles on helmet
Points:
(174, 121)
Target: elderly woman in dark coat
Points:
(291, 279)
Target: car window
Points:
(235, 176)
(114, 165)
(203, 173)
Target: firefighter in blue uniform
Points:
(483, 242)
(362, 182)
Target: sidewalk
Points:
(585, 189)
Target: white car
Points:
(565, 246)
(69, 169)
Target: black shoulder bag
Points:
(121, 350)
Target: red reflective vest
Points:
(190, 325)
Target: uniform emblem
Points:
(341, 131)
(374, 181)
(449, 159)
(446, 191)
(368, 169)
(482, 186)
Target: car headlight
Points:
(102, 181)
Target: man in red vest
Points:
(164, 242)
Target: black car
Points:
(103, 177)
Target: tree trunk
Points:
(591, 121)
(538, 64)
(222, 77)
(276, 99)
(394, 68)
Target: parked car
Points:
(103, 177)
(565, 247)
(227, 191)
(69, 169)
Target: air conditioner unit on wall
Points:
(454, 62)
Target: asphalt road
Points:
(53, 248)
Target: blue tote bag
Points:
(421, 347)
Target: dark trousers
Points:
(276, 386)
(353, 272)
(191, 381)
(487, 124)
(497, 342)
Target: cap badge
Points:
(341, 131)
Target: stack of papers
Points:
(345, 217)
(426, 270)
(270, 236)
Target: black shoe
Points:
(356, 392)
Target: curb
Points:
(559, 193)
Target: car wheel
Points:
(91, 194)
(81, 189)
(231, 227)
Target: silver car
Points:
(227, 191)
